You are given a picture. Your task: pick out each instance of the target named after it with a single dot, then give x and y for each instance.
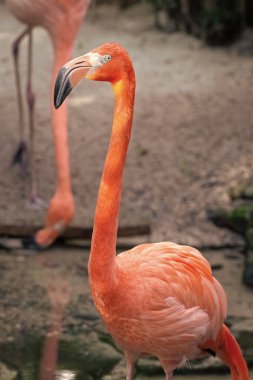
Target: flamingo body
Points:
(164, 301)
(53, 15)
(159, 299)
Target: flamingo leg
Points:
(130, 370)
(34, 200)
(130, 360)
(169, 375)
(20, 156)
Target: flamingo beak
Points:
(68, 77)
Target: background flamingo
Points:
(160, 299)
(62, 19)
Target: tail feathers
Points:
(229, 352)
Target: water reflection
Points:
(51, 332)
(58, 294)
(65, 375)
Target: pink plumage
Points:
(52, 15)
(165, 302)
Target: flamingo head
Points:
(109, 62)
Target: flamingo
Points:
(159, 299)
(62, 19)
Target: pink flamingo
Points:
(159, 299)
(62, 19)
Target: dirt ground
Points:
(191, 141)
(192, 135)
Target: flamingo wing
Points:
(167, 303)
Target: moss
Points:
(242, 212)
(237, 219)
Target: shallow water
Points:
(50, 328)
(57, 357)
(193, 377)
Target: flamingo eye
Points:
(107, 57)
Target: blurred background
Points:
(188, 177)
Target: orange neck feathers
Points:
(103, 247)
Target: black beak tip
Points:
(56, 105)
(62, 88)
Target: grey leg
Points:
(34, 200)
(20, 155)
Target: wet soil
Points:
(47, 313)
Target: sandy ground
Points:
(192, 135)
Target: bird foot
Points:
(35, 202)
(21, 157)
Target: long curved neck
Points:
(60, 125)
(103, 247)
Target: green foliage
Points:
(196, 11)
(222, 22)
(238, 219)
(218, 22)
(172, 10)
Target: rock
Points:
(240, 220)
(244, 190)
(107, 377)
(152, 367)
(247, 193)
(119, 371)
(7, 373)
(85, 355)
(205, 366)
(235, 192)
